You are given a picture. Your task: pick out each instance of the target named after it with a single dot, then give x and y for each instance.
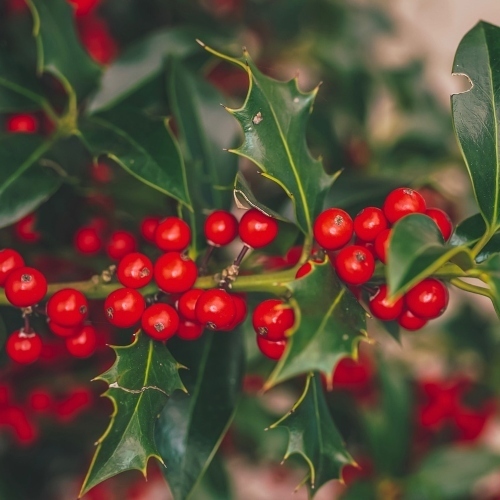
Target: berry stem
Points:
(206, 258)
(468, 287)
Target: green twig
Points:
(468, 287)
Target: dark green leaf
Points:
(24, 182)
(329, 324)
(491, 276)
(215, 484)
(313, 435)
(274, 118)
(143, 147)
(192, 426)
(469, 231)
(416, 250)
(393, 329)
(476, 116)
(58, 47)
(142, 378)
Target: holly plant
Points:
(183, 249)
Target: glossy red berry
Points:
(87, 240)
(67, 307)
(215, 309)
(84, 343)
(382, 308)
(148, 228)
(303, 270)
(333, 228)
(189, 330)
(354, 265)
(272, 318)
(221, 228)
(382, 245)
(240, 305)
(83, 7)
(369, 223)
(63, 331)
(160, 321)
(428, 299)
(96, 38)
(120, 244)
(25, 229)
(186, 305)
(25, 348)
(443, 222)
(271, 349)
(22, 124)
(9, 260)
(25, 287)
(256, 229)
(172, 235)
(409, 321)
(135, 270)
(175, 273)
(401, 202)
(124, 307)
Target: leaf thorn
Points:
(199, 42)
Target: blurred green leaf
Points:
(491, 276)
(469, 231)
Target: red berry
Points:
(172, 235)
(135, 270)
(22, 124)
(25, 287)
(401, 202)
(83, 7)
(443, 222)
(87, 241)
(95, 36)
(39, 400)
(241, 312)
(101, 173)
(63, 331)
(189, 330)
(382, 245)
(160, 321)
(428, 299)
(67, 307)
(271, 349)
(186, 304)
(384, 309)
(148, 228)
(333, 228)
(257, 229)
(120, 244)
(221, 227)
(9, 260)
(24, 347)
(409, 321)
(355, 265)
(369, 223)
(215, 309)
(303, 270)
(84, 344)
(175, 273)
(272, 318)
(124, 307)
(25, 230)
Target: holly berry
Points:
(25, 287)
(401, 202)
(83, 7)
(241, 312)
(135, 270)
(172, 235)
(428, 299)
(369, 223)
(271, 349)
(67, 307)
(333, 228)
(215, 309)
(175, 273)
(382, 245)
(87, 240)
(355, 265)
(25, 229)
(189, 330)
(148, 228)
(257, 229)
(124, 307)
(384, 309)
(101, 173)
(24, 347)
(221, 228)
(84, 344)
(186, 304)
(443, 222)
(63, 331)
(160, 321)
(96, 38)
(39, 400)
(272, 318)
(22, 124)
(9, 260)
(120, 244)
(303, 270)
(409, 321)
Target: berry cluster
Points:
(354, 263)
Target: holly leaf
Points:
(329, 324)
(24, 182)
(144, 147)
(491, 276)
(140, 381)
(274, 118)
(476, 116)
(192, 425)
(416, 250)
(59, 51)
(313, 435)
